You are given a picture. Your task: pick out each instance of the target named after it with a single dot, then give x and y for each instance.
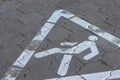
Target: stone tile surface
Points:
(20, 20)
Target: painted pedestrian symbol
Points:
(26, 55)
(80, 47)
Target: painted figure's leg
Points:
(62, 71)
(94, 51)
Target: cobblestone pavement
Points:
(20, 20)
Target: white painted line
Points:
(96, 30)
(79, 48)
(62, 71)
(25, 56)
(68, 43)
(107, 75)
(12, 71)
(68, 78)
(74, 50)
(27, 53)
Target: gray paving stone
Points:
(2, 33)
(105, 45)
(117, 32)
(91, 13)
(89, 6)
(30, 6)
(97, 66)
(11, 26)
(11, 40)
(79, 36)
(105, 26)
(105, 2)
(110, 10)
(24, 75)
(112, 58)
(48, 3)
(9, 5)
(4, 66)
(26, 1)
(94, 17)
(47, 44)
(71, 26)
(68, 3)
(83, 1)
(1, 48)
(47, 12)
(8, 56)
(31, 18)
(61, 32)
(114, 20)
(72, 7)
(87, 11)
(117, 3)
(10, 15)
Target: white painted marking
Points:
(68, 78)
(74, 50)
(23, 59)
(107, 75)
(96, 30)
(31, 48)
(62, 71)
(93, 38)
(12, 71)
(68, 43)
(58, 14)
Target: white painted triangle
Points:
(25, 56)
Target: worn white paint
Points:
(107, 75)
(68, 78)
(93, 38)
(25, 56)
(62, 71)
(68, 43)
(79, 48)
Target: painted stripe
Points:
(13, 71)
(107, 75)
(25, 56)
(78, 49)
(62, 71)
(96, 30)
(31, 48)
(68, 43)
